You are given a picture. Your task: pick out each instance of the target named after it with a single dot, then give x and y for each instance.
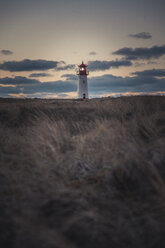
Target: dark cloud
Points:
(152, 62)
(5, 91)
(141, 53)
(6, 52)
(98, 65)
(28, 65)
(150, 73)
(32, 86)
(54, 87)
(40, 75)
(92, 53)
(142, 35)
(137, 64)
(99, 85)
(112, 84)
(70, 77)
(65, 67)
(35, 65)
(18, 81)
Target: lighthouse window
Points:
(83, 81)
(82, 69)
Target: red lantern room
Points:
(82, 69)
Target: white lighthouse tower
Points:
(82, 81)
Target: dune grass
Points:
(82, 173)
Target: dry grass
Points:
(82, 173)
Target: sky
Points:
(43, 41)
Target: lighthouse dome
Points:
(82, 65)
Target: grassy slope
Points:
(82, 173)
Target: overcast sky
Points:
(42, 41)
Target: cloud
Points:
(28, 65)
(142, 35)
(152, 62)
(20, 95)
(100, 85)
(119, 94)
(141, 53)
(137, 64)
(65, 67)
(6, 52)
(46, 95)
(35, 65)
(111, 84)
(150, 73)
(5, 91)
(92, 53)
(69, 77)
(98, 65)
(18, 81)
(40, 75)
(32, 86)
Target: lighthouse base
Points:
(82, 87)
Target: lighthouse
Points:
(82, 81)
